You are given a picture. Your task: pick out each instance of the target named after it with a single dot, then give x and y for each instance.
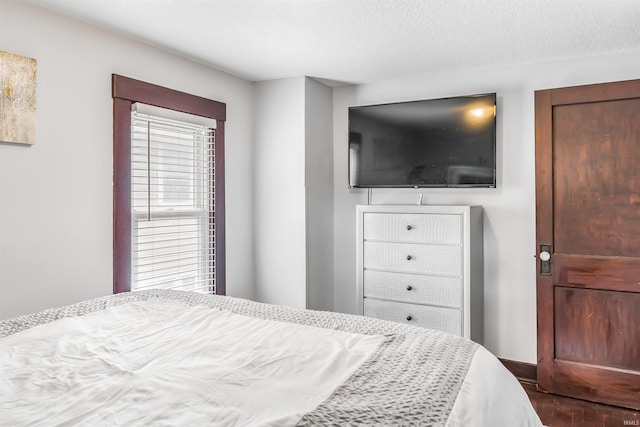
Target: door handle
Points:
(545, 259)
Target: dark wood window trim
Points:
(125, 92)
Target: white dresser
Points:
(422, 265)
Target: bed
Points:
(175, 358)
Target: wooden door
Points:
(588, 220)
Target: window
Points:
(172, 237)
(168, 189)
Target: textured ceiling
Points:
(362, 41)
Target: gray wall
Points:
(56, 196)
(294, 193)
(279, 175)
(509, 209)
(319, 194)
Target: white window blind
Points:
(172, 201)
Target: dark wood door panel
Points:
(598, 327)
(596, 165)
(620, 388)
(588, 215)
(613, 273)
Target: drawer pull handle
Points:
(409, 257)
(409, 227)
(409, 318)
(409, 287)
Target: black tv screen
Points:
(449, 142)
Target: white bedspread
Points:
(508, 405)
(220, 368)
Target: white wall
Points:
(56, 196)
(319, 194)
(279, 173)
(509, 222)
(294, 193)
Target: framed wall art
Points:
(17, 99)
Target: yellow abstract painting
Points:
(17, 99)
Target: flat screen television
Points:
(448, 142)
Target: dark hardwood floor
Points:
(559, 411)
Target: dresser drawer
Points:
(413, 288)
(418, 228)
(406, 257)
(442, 319)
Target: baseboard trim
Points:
(524, 372)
